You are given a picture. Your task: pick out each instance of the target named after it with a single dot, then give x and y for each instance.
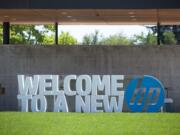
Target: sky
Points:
(78, 31)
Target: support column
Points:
(6, 32)
(56, 33)
(158, 33)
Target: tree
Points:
(143, 39)
(92, 39)
(169, 38)
(66, 39)
(1, 34)
(28, 34)
(49, 27)
(176, 31)
(48, 39)
(36, 34)
(116, 39)
(167, 31)
(87, 40)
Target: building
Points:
(159, 61)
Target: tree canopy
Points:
(66, 39)
(44, 35)
(143, 39)
(92, 39)
(1, 34)
(169, 34)
(116, 39)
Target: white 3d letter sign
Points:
(95, 93)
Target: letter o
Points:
(79, 85)
(43, 104)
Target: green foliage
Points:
(117, 39)
(44, 34)
(37, 34)
(151, 39)
(143, 39)
(169, 38)
(1, 34)
(48, 40)
(29, 34)
(92, 39)
(87, 40)
(97, 39)
(169, 34)
(20, 34)
(49, 27)
(66, 39)
(13, 123)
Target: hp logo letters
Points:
(144, 94)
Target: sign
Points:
(148, 96)
(89, 93)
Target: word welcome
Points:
(93, 93)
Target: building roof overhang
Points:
(91, 11)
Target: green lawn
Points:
(13, 123)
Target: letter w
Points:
(28, 85)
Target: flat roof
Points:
(90, 11)
(91, 16)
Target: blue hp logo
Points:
(144, 94)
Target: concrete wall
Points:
(160, 61)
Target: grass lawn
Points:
(17, 123)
